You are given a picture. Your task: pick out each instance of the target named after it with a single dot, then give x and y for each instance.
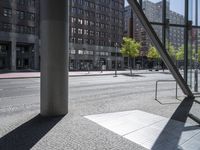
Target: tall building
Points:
(175, 35)
(96, 27)
(19, 31)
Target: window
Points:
(73, 51)
(80, 52)
(85, 32)
(80, 31)
(7, 12)
(7, 27)
(21, 15)
(73, 19)
(86, 22)
(73, 30)
(80, 41)
(80, 21)
(91, 33)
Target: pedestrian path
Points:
(17, 75)
(150, 131)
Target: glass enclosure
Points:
(177, 24)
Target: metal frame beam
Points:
(160, 47)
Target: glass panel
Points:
(191, 60)
(192, 11)
(194, 46)
(158, 30)
(198, 14)
(153, 10)
(175, 11)
(175, 45)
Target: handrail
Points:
(156, 91)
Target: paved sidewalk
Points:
(17, 75)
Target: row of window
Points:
(26, 2)
(88, 52)
(22, 15)
(79, 11)
(87, 22)
(86, 3)
(7, 27)
(91, 41)
(96, 24)
(87, 32)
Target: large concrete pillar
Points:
(54, 70)
(13, 55)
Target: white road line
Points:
(30, 87)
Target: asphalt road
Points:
(16, 92)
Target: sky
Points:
(126, 3)
(178, 6)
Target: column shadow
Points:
(171, 134)
(28, 134)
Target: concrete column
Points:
(54, 70)
(13, 55)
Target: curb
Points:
(69, 76)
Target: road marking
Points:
(30, 87)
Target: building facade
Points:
(19, 31)
(175, 35)
(96, 28)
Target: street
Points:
(16, 92)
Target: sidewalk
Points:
(21, 75)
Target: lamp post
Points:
(116, 59)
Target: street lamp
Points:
(116, 59)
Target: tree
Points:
(130, 48)
(153, 53)
(199, 55)
(171, 51)
(180, 53)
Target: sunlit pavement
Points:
(21, 75)
(22, 128)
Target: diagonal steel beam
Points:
(160, 47)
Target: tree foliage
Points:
(180, 53)
(153, 53)
(130, 47)
(171, 51)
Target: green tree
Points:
(180, 53)
(153, 54)
(130, 48)
(171, 51)
(199, 55)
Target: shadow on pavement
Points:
(28, 134)
(171, 135)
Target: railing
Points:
(156, 91)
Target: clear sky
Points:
(177, 6)
(126, 3)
